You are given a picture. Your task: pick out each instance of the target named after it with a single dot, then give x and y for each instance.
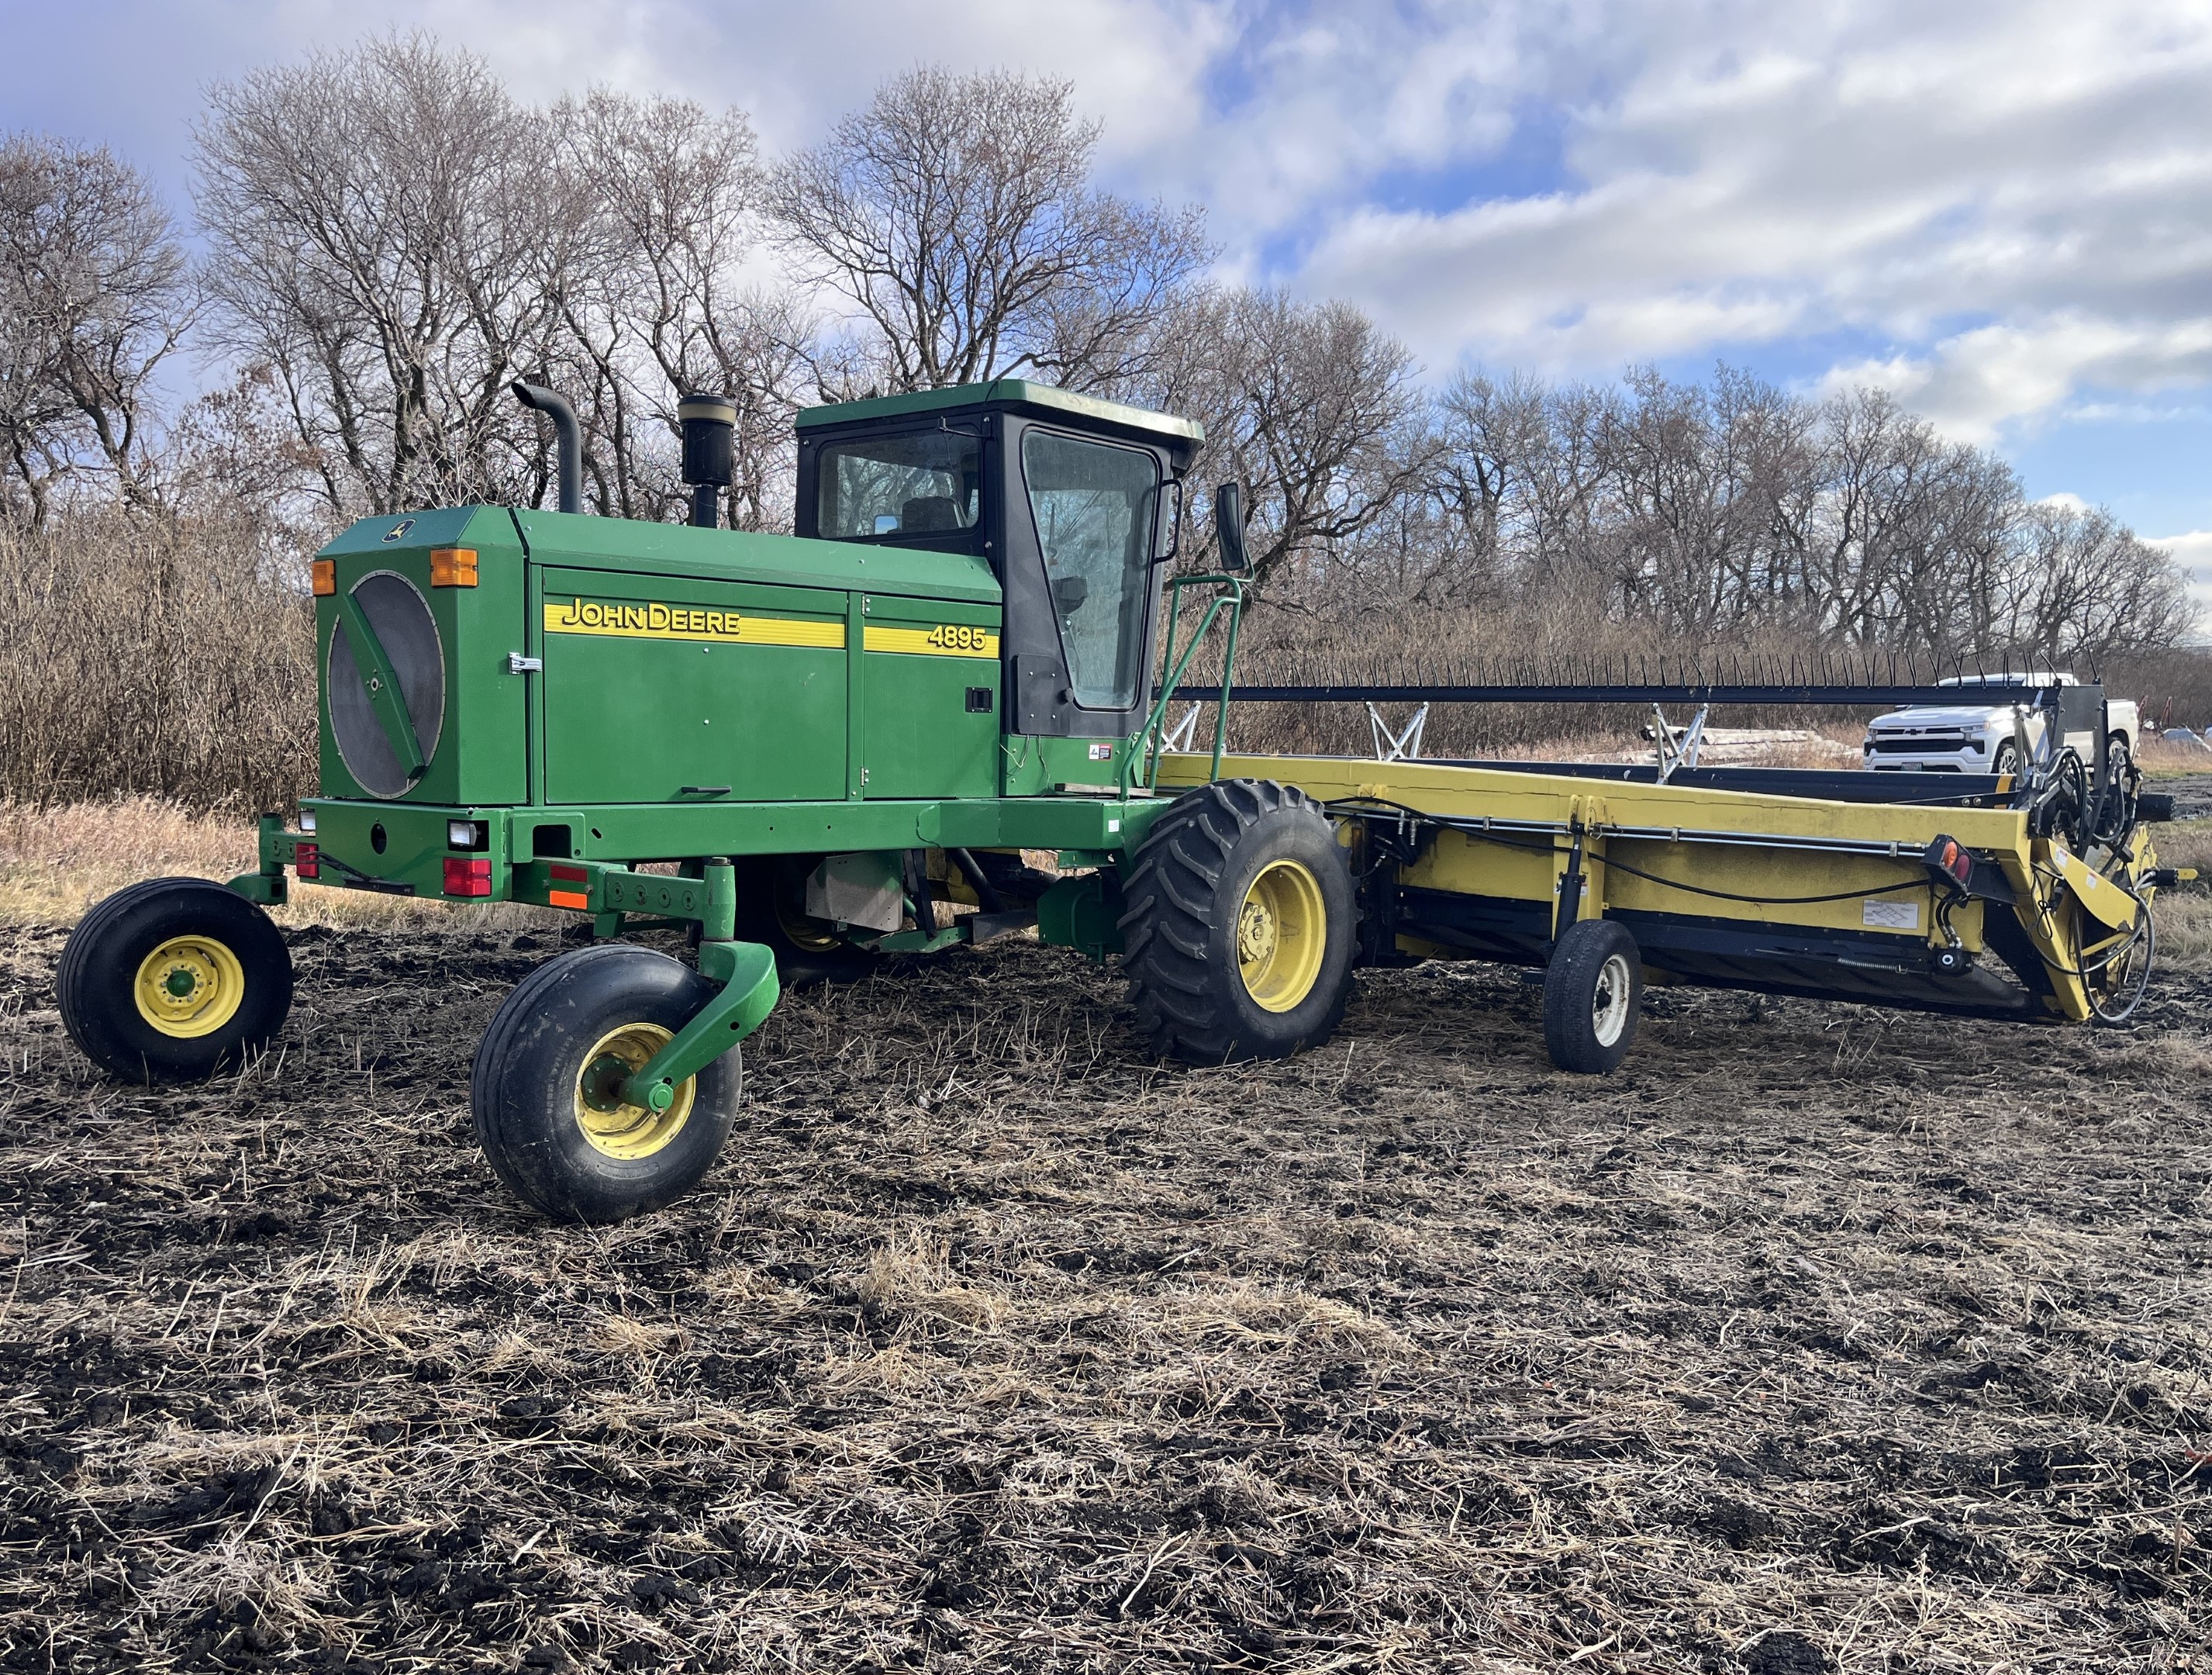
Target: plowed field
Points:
(1818, 1337)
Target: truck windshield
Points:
(924, 483)
(1093, 505)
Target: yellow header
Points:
(621, 620)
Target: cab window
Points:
(1093, 503)
(926, 483)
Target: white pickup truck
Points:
(1979, 739)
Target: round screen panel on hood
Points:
(400, 620)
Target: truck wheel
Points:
(2119, 759)
(1238, 933)
(2007, 760)
(174, 979)
(1593, 993)
(544, 1089)
(772, 911)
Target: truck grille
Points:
(1919, 744)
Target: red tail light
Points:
(464, 877)
(306, 860)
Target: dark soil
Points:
(2192, 793)
(1817, 1338)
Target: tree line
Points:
(388, 237)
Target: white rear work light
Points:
(306, 819)
(464, 834)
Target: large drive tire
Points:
(772, 911)
(1592, 995)
(540, 1091)
(174, 979)
(1238, 931)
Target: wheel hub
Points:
(1256, 932)
(1281, 934)
(609, 1119)
(189, 986)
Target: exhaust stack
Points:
(567, 439)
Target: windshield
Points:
(924, 483)
(1093, 505)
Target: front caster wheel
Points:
(174, 979)
(545, 1090)
(1593, 994)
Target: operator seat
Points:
(928, 514)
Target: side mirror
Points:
(1229, 529)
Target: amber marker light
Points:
(327, 577)
(453, 567)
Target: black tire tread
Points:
(1173, 897)
(1567, 982)
(82, 1006)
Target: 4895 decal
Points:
(959, 636)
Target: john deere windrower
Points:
(843, 740)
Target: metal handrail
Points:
(1144, 746)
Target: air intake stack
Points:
(710, 424)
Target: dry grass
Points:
(2162, 761)
(1820, 1338)
(161, 657)
(55, 862)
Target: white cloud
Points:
(1998, 204)
(1971, 383)
(2042, 171)
(2193, 554)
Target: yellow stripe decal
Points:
(949, 639)
(621, 620)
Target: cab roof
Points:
(1043, 399)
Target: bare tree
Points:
(1310, 406)
(2086, 586)
(388, 237)
(955, 215)
(1488, 436)
(1730, 512)
(94, 296)
(660, 305)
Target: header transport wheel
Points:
(174, 979)
(546, 1092)
(1592, 995)
(1239, 927)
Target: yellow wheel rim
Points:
(611, 1124)
(810, 934)
(1281, 931)
(189, 986)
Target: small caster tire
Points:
(543, 1090)
(1593, 996)
(172, 980)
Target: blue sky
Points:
(2002, 210)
